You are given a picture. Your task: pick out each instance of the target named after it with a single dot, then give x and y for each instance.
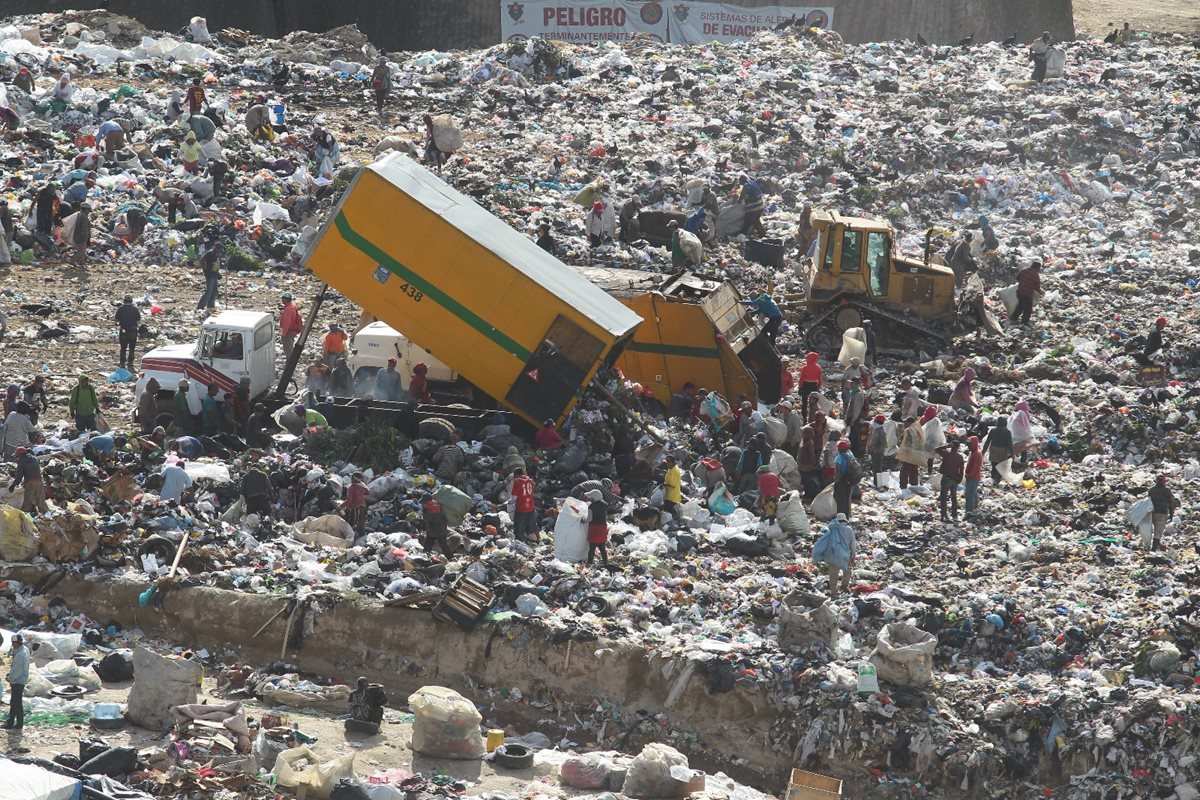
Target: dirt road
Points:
(1095, 17)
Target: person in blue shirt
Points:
(18, 676)
(763, 304)
(77, 192)
(189, 447)
(752, 200)
(175, 482)
(695, 222)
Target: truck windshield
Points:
(226, 345)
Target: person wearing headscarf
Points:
(512, 461)
(11, 397)
(808, 463)
(1021, 426)
(498, 427)
(973, 473)
(963, 396)
(877, 446)
(595, 224)
(24, 80)
(174, 106)
(910, 400)
(63, 90)
(768, 494)
(418, 386)
(597, 532)
(806, 234)
(912, 453)
(189, 153)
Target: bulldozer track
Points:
(872, 312)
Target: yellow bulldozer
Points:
(855, 273)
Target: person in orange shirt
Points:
(334, 346)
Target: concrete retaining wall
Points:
(405, 649)
(458, 24)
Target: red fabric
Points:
(786, 383)
(547, 439)
(975, 464)
(289, 320)
(523, 492)
(195, 98)
(418, 388)
(356, 496)
(597, 533)
(768, 485)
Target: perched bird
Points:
(281, 77)
(967, 42)
(1109, 74)
(1111, 38)
(785, 24)
(42, 310)
(921, 41)
(46, 332)
(1010, 41)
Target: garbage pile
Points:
(1038, 647)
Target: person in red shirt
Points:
(355, 504)
(787, 381)
(974, 472)
(768, 493)
(547, 438)
(812, 379)
(1029, 284)
(290, 325)
(418, 387)
(525, 519)
(196, 98)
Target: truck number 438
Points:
(412, 292)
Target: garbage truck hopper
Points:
(482, 298)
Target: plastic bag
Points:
(904, 655)
(65, 672)
(326, 169)
(570, 531)
(854, 345)
(694, 514)
(1140, 516)
(805, 618)
(18, 536)
(649, 774)
(198, 27)
(445, 724)
(776, 431)
(454, 504)
(1008, 296)
(824, 506)
(718, 503)
(447, 136)
(586, 772)
(791, 516)
(691, 246)
(302, 767)
(52, 646)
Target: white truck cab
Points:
(376, 343)
(232, 345)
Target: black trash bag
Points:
(570, 458)
(349, 789)
(89, 748)
(685, 543)
(116, 666)
(113, 763)
(745, 545)
(67, 760)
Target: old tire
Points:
(514, 756)
(846, 318)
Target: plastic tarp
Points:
(27, 782)
(302, 767)
(854, 345)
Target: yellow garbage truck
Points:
(479, 296)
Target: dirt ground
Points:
(1095, 17)
(388, 750)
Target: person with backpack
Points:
(951, 470)
(768, 494)
(846, 474)
(912, 453)
(837, 548)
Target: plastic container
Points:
(495, 738)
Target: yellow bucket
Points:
(495, 738)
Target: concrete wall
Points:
(458, 24)
(404, 649)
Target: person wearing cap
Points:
(972, 474)
(524, 506)
(175, 481)
(381, 84)
(1029, 286)
(765, 305)
(388, 383)
(769, 490)
(837, 549)
(29, 473)
(846, 474)
(1162, 506)
(548, 438)
(18, 676)
(951, 470)
(333, 346)
(787, 380)
(594, 223)
(290, 325)
(1154, 343)
(127, 318)
(597, 532)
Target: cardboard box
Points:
(811, 786)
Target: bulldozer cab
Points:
(855, 259)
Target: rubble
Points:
(1042, 648)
